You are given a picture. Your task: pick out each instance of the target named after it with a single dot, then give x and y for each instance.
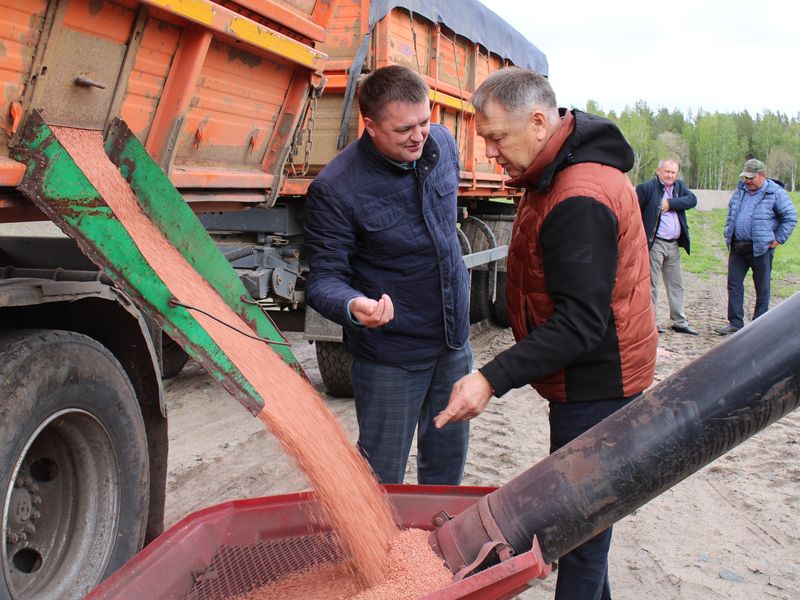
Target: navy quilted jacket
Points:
(375, 228)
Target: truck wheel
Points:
(73, 465)
(500, 302)
(480, 237)
(480, 305)
(333, 359)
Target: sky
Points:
(688, 55)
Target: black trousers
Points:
(583, 572)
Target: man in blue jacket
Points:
(760, 216)
(664, 201)
(385, 263)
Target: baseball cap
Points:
(752, 168)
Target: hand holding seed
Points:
(372, 313)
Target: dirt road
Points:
(730, 531)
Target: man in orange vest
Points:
(577, 283)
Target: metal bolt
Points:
(23, 538)
(35, 515)
(34, 487)
(36, 500)
(12, 538)
(30, 528)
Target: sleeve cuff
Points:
(352, 320)
(497, 377)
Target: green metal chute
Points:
(58, 187)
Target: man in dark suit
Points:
(664, 201)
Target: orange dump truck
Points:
(240, 104)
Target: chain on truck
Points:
(240, 104)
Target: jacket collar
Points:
(583, 138)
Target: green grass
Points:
(709, 256)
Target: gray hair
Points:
(519, 91)
(664, 161)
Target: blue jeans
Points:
(738, 265)
(582, 572)
(393, 401)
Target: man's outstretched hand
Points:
(469, 397)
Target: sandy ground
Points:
(730, 531)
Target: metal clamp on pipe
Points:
(495, 547)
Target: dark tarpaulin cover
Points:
(471, 19)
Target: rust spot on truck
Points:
(285, 125)
(95, 6)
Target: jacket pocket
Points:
(387, 235)
(384, 219)
(443, 202)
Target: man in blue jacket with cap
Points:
(760, 216)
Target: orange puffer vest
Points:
(633, 318)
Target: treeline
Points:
(711, 147)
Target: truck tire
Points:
(479, 237)
(334, 361)
(73, 465)
(480, 304)
(500, 302)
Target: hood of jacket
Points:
(582, 138)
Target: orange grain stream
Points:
(343, 482)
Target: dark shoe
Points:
(684, 329)
(660, 329)
(727, 330)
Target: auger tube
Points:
(674, 429)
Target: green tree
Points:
(594, 108)
(674, 145)
(637, 126)
(792, 144)
(781, 164)
(665, 120)
(710, 146)
(744, 130)
(717, 151)
(767, 133)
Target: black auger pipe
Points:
(710, 406)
